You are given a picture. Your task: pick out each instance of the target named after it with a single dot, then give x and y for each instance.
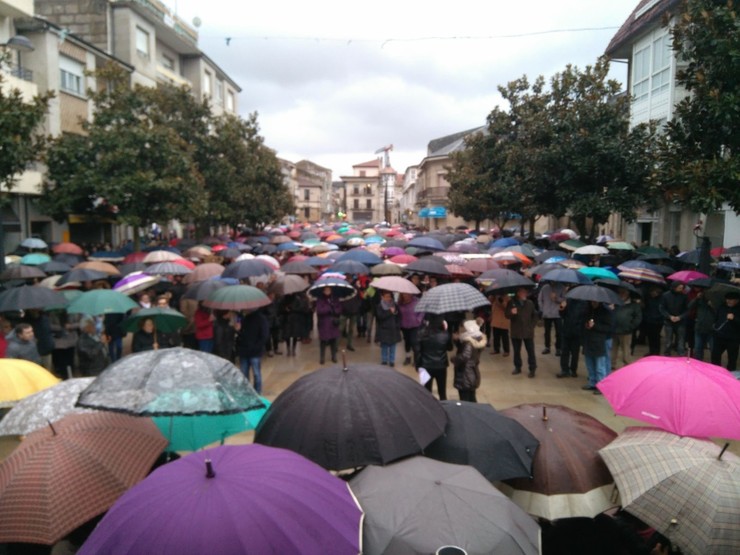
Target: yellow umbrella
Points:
(21, 378)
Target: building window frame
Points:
(207, 84)
(143, 43)
(71, 76)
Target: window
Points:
(168, 62)
(362, 173)
(356, 191)
(307, 212)
(219, 92)
(357, 204)
(142, 42)
(71, 75)
(306, 194)
(651, 68)
(368, 204)
(368, 190)
(661, 64)
(230, 101)
(207, 87)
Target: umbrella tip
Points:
(53, 430)
(209, 469)
(544, 414)
(719, 457)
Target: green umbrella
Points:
(237, 297)
(35, 258)
(597, 272)
(190, 433)
(572, 244)
(619, 245)
(101, 301)
(166, 320)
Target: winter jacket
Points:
(409, 317)
(524, 321)
(296, 313)
(251, 341)
(673, 303)
(574, 318)
(203, 324)
(144, 341)
(224, 338)
(594, 339)
(388, 327)
(724, 328)
(92, 355)
(549, 299)
(42, 331)
(705, 315)
(498, 308)
(352, 306)
(433, 348)
(25, 350)
(467, 361)
(328, 310)
(628, 318)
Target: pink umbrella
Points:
(685, 276)
(681, 395)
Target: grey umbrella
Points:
(27, 297)
(299, 268)
(201, 290)
(434, 265)
(594, 293)
(22, 271)
(505, 281)
(171, 382)
(419, 505)
(48, 405)
(167, 269)
(244, 269)
(451, 297)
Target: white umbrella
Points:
(591, 250)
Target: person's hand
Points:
(514, 311)
(730, 316)
(156, 345)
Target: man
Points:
(523, 316)
(22, 344)
(573, 314)
(674, 307)
(549, 299)
(727, 331)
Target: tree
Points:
(700, 152)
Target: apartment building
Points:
(314, 193)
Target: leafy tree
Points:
(700, 153)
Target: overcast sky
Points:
(333, 81)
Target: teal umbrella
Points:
(101, 301)
(190, 433)
(597, 272)
(237, 297)
(166, 320)
(35, 259)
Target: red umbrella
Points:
(66, 248)
(459, 271)
(403, 259)
(480, 265)
(183, 262)
(134, 257)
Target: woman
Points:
(328, 310)
(145, 339)
(388, 328)
(224, 334)
(293, 310)
(92, 349)
(410, 324)
(204, 328)
(251, 343)
(500, 325)
(470, 344)
(432, 356)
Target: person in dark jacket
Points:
(433, 342)
(328, 310)
(92, 349)
(44, 336)
(599, 324)
(348, 320)
(674, 307)
(470, 344)
(22, 343)
(523, 316)
(573, 314)
(652, 319)
(628, 317)
(251, 341)
(224, 334)
(704, 314)
(727, 331)
(294, 309)
(145, 338)
(273, 318)
(388, 327)
(410, 324)
(112, 329)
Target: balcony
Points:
(16, 77)
(434, 195)
(165, 75)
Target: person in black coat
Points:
(726, 335)
(433, 345)
(294, 310)
(224, 334)
(573, 316)
(599, 326)
(388, 327)
(251, 340)
(674, 307)
(145, 338)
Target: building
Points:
(644, 42)
(407, 201)
(363, 193)
(314, 192)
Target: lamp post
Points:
(705, 245)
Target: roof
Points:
(621, 43)
(450, 143)
(375, 163)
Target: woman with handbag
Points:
(328, 310)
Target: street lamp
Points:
(705, 258)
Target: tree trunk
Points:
(137, 239)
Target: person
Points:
(43, 334)
(64, 330)
(549, 299)
(522, 315)
(433, 345)
(348, 320)
(92, 349)
(573, 316)
(167, 339)
(224, 334)
(112, 326)
(294, 309)
(704, 314)
(410, 324)
(599, 325)
(328, 310)
(652, 319)
(500, 325)
(204, 328)
(470, 344)
(628, 317)
(388, 328)
(727, 331)
(145, 338)
(251, 342)
(674, 307)
(273, 320)
(22, 343)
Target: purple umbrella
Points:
(230, 500)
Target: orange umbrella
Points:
(66, 248)
(96, 265)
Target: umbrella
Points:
(190, 433)
(101, 301)
(168, 269)
(80, 275)
(244, 269)
(687, 489)
(54, 267)
(171, 382)
(426, 243)
(570, 479)
(402, 259)
(505, 242)
(22, 272)
(237, 297)
(684, 276)
(393, 251)
(33, 243)
(434, 265)
(203, 272)
(348, 417)
(477, 434)
(480, 265)
(451, 297)
(395, 284)
(594, 293)
(504, 281)
(340, 288)
(299, 269)
(459, 271)
(21, 378)
(551, 253)
(197, 251)
(127, 269)
(597, 272)
(71, 259)
(135, 282)
(619, 284)
(418, 505)
(591, 250)
(349, 267)
(715, 294)
(566, 275)
(361, 255)
(655, 252)
(160, 256)
(100, 266)
(682, 395)
(166, 320)
(94, 458)
(571, 244)
(48, 405)
(642, 274)
(620, 246)
(201, 290)
(35, 259)
(270, 261)
(67, 248)
(289, 284)
(28, 297)
(386, 269)
(233, 499)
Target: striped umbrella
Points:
(135, 282)
(642, 274)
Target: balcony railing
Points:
(18, 71)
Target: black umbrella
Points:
(298, 268)
(55, 267)
(552, 253)
(349, 267)
(201, 290)
(28, 297)
(340, 288)
(244, 269)
(505, 281)
(619, 284)
(434, 265)
(82, 275)
(566, 275)
(477, 434)
(22, 272)
(594, 293)
(67, 258)
(348, 417)
(131, 267)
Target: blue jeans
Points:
(701, 341)
(115, 348)
(205, 345)
(598, 368)
(388, 353)
(256, 365)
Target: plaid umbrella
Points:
(21, 378)
(687, 489)
(451, 297)
(94, 457)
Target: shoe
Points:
(516, 371)
(546, 351)
(562, 375)
(597, 392)
(531, 374)
(334, 359)
(350, 348)
(269, 354)
(573, 375)
(321, 361)
(384, 363)
(392, 364)
(506, 354)
(278, 352)
(558, 353)
(407, 361)
(588, 388)
(495, 352)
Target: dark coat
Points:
(295, 312)
(251, 340)
(574, 317)
(388, 327)
(628, 318)
(594, 339)
(724, 328)
(433, 348)
(524, 321)
(467, 363)
(673, 303)
(352, 306)
(143, 341)
(224, 338)
(92, 355)
(328, 310)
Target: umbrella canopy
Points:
(289, 284)
(167, 320)
(642, 274)
(716, 293)
(101, 301)
(685, 488)
(504, 281)
(349, 267)
(597, 272)
(566, 275)
(684, 276)
(594, 293)
(54, 267)
(418, 505)
(35, 259)
(67, 248)
(386, 269)
(160, 256)
(23, 272)
(459, 271)
(170, 382)
(571, 244)
(619, 246)
(477, 434)
(681, 395)
(348, 417)
(168, 269)
(202, 290)
(203, 272)
(427, 243)
(433, 265)
(396, 284)
(21, 378)
(48, 405)
(28, 297)
(480, 265)
(135, 282)
(340, 288)
(591, 250)
(451, 297)
(80, 275)
(299, 269)
(94, 457)
(33, 243)
(244, 269)
(570, 479)
(402, 259)
(233, 499)
(361, 255)
(97, 265)
(237, 297)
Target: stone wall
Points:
(87, 19)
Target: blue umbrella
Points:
(289, 246)
(427, 243)
(361, 255)
(318, 261)
(504, 242)
(349, 267)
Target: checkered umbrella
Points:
(451, 297)
(94, 459)
(688, 489)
